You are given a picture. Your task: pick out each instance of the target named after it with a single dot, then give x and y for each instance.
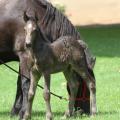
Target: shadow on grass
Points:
(42, 113)
(34, 113)
(107, 113)
(103, 40)
(4, 113)
(59, 114)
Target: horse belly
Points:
(8, 56)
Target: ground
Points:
(105, 45)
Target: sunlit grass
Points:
(105, 44)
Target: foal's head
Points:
(31, 30)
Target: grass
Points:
(105, 44)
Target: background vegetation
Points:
(104, 42)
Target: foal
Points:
(66, 55)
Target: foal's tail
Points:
(89, 56)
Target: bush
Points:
(60, 7)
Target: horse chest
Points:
(45, 61)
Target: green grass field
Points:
(105, 45)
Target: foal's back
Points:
(67, 48)
(58, 55)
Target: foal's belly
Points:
(56, 69)
(51, 68)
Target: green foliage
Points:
(105, 44)
(60, 7)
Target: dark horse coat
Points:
(54, 25)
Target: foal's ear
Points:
(25, 17)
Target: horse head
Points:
(31, 29)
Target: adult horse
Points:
(11, 32)
(54, 25)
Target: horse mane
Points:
(53, 22)
(58, 24)
(42, 36)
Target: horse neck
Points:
(35, 7)
(40, 41)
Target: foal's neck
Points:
(41, 42)
(42, 38)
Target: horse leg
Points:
(91, 84)
(34, 78)
(46, 95)
(92, 87)
(19, 98)
(25, 83)
(73, 85)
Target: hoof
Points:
(15, 112)
(49, 117)
(93, 114)
(64, 117)
(21, 114)
(94, 111)
(78, 113)
(26, 117)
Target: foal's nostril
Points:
(28, 45)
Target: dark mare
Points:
(11, 32)
(54, 25)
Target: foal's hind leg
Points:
(34, 77)
(73, 85)
(46, 95)
(91, 84)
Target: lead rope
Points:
(60, 97)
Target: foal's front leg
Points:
(73, 85)
(25, 83)
(35, 76)
(46, 95)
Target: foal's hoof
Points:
(15, 111)
(26, 117)
(66, 115)
(94, 111)
(49, 117)
(21, 114)
(93, 114)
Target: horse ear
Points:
(25, 17)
